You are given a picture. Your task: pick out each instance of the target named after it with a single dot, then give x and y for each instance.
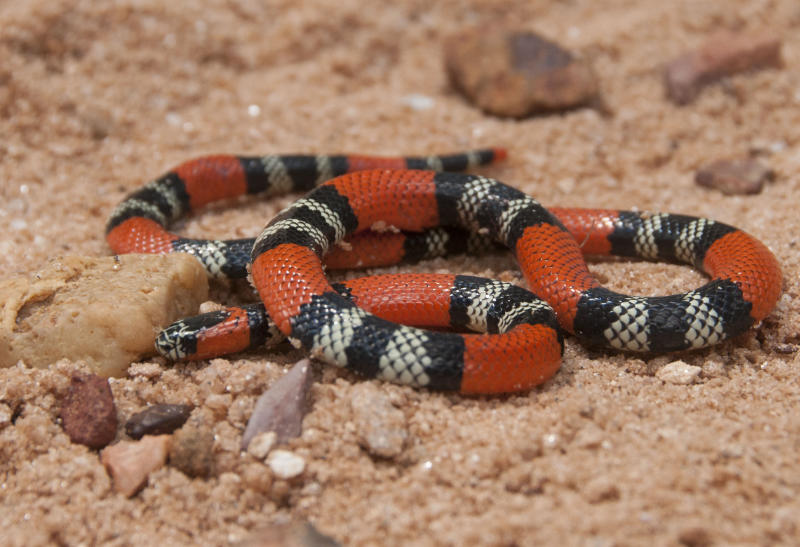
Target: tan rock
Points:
(678, 372)
(382, 427)
(192, 450)
(105, 311)
(261, 444)
(130, 462)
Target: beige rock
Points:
(678, 372)
(192, 450)
(130, 462)
(382, 427)
(261, 444)
(105, 311)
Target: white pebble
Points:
(285, 464)
(678, 372)
(418, 102)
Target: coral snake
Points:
(355, 324)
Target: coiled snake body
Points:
(524, 343)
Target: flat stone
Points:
(157, 420)
(282, 407)
(723, 54)
(678, 372)
(130, 462)
(735, 176)
(88, 413)
(517, 74)
(381, 427)
(103, 311)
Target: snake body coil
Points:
(525, 344)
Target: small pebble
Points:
(725, 53)
(157, 420)
(418, 102)
(734, 176)
(285, 465)
(381, 426)
(88, 413)
(517, 74)
(192, 451)
(282, 407)
(261, 444)
(679, 373)
(130, 462)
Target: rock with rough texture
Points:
(192, 450)
(517, 74)
(282, 407)
(734, 176)
(88, 413)
(130, 462)
(290, 534)
(678, 372)
(381, 426)
(157, 420)
(285, 464)
(104, 311)
(723, 54)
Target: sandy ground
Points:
(98, 97)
